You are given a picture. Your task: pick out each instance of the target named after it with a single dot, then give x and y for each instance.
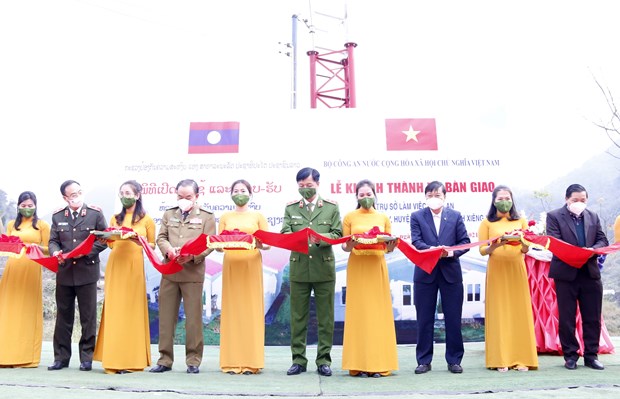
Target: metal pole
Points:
(351, 75)
(313, 95)
(294, 72)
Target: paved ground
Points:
(550, 381)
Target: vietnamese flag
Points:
(213, 137)
(411, 134)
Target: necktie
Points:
(75, 213)
(185, 214)
(310, 206)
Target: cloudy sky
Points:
(83, 82)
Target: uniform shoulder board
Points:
(205, 210)
(59, 210)
(292, 202)
(330, 201)
(172, 208)
(95, 207)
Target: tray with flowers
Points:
(231, 239)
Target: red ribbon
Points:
(567, 253)
(299, 242)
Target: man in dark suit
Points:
(315, 271)
(576, 225)
(76, 277)
(179, 225)
(437, 226)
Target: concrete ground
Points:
(552, 380)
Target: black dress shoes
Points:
(296, 369)
(86, 366)
(570, 364)
(160, 369)
(193, 370)
(455, 368)
(594, 364)
(324, 370)
(423, 368)
(57, 365)
(122, 372)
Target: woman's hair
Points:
(139, 211)
(244, 182)
(26, 195)
(512, 214)
(361, 184)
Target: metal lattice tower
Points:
(332, 78)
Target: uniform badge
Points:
(195, 221)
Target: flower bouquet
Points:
(234, 239)
(372, 242)
(538, 244)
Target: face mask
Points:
(503, 206)
(127, 202)
(434, 203)
(27, 212)
(577, 207)
(76, 202)
(366, 203)
(307, 192)
(240, 199)
(185, 204)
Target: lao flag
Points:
(411, 134)
(213, 137)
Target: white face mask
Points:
(76, 203)
(185, 204)
(434, 203)
(577, 207)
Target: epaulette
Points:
(95, 207)
(330, 201)
(172, 207)
(58, 210)
(206, 210)
(293, 202)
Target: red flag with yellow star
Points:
(411, 134)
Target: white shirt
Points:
(437, 221)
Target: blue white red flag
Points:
(213, 137)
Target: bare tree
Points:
(611, 126)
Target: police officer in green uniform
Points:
(77, 277)
(179, 225)
(313, 272)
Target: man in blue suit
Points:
(437, 226)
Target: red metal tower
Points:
(332, 78)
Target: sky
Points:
(86, 84)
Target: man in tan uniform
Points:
(179, 225)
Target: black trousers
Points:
(86, 296)
(588, 293)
